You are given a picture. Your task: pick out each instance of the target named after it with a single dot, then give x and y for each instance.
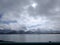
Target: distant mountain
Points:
(6, 31)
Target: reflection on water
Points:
(15, 38)
(31, 37)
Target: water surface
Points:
(31, 37)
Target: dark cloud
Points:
(1, 16)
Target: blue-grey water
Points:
(31, 37)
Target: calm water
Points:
(31, 37)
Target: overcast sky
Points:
(43, 14)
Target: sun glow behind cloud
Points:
(33, 4)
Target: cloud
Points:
(24, 12)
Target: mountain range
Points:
(7, 31)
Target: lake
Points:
(31, 37)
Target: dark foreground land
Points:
(5, 41)
(23, 43)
